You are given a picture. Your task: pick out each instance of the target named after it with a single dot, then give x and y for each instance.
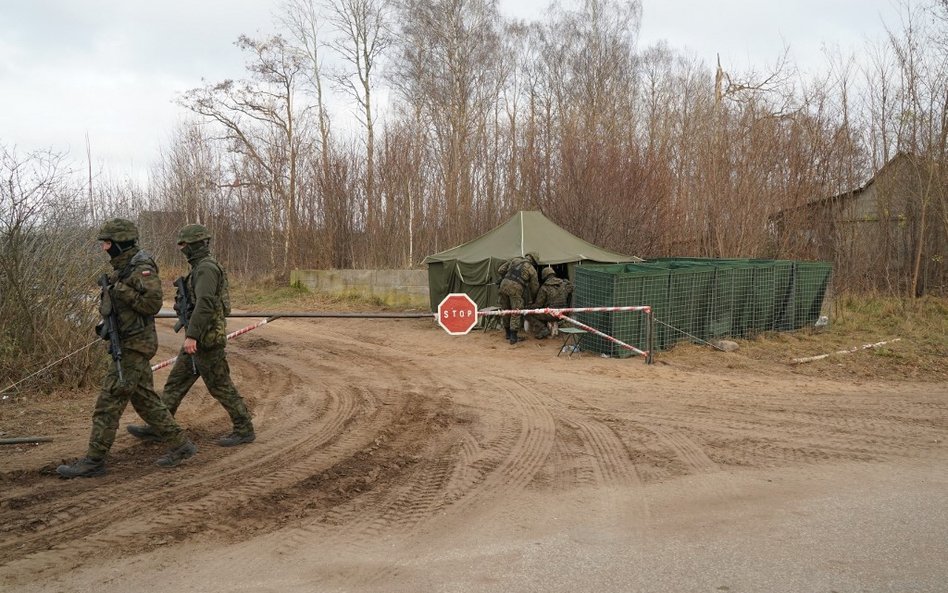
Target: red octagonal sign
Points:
(457, 314)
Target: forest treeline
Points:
(465, 117)
(642, 150)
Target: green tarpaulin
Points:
(699, 299)
(471, 268)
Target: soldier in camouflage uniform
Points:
(134, 293)
(553, 293)
(202, 354)
(518, 286)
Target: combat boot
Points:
(514, 337)
(234, 439)
(177, 455)
(84, 468)
(145, 433)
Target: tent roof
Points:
(529, 231)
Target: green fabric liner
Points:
(698, 299)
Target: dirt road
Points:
(393, 457)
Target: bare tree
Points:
(364, 38)
(448, 68)
(48, 264)
(924, 101)
(260, 120)
(587, 70)
(187, 169)
(302, 19)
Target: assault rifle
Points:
(183, 303)
(108, 329)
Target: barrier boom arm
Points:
(556, 312)
(561, 314)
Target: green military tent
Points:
(472, 267)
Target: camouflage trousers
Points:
(137, 388)
(511, 297)
(211, 365)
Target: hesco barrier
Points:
(699, 299)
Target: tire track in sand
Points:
(187, 500)
(507, 462)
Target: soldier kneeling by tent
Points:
(554, 293)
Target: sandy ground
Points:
(393, 457)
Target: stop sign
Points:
(457, 314)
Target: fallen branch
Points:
(20, 440)
(850, 351)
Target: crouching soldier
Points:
(554, 293)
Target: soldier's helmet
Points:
(533, 256)
(547, 272)
(118, 230)
(192, 233)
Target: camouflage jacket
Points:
(521, 271)
(208, 286)
(135, 293)
(554, 293)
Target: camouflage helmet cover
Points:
(192, 233)
(119, 230)
(547, 272)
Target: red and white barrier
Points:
(593, 330)
(560, 313)
(551, 311)
(230, 336)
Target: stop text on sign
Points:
(457, 314)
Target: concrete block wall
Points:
(397, 288)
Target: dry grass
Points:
(270, 296)
(920, 354)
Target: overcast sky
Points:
(112, 68)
